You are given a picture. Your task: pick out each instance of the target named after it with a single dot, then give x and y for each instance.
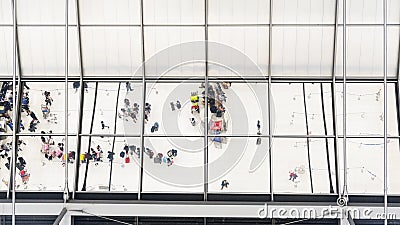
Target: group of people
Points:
(52, 151)
(132, 111)
(20, 163)
(95, 154)
(25, 108)
(129, 111)
(175, 105)
(216, 96)
(160, 158)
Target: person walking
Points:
(128, 86)
(103, 125)
(258, 127)
(224, 184)
(178, 104)
(33, 116)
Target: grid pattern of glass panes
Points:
(296, 94)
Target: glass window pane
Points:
(236, 108)
(125, 173)
(173, 118)
(5, 153)
(105, 111)
(111, 51)
(246, 54)
(238, 12)
(166, 50)
(289, 109)
(6, 12)
(44, 165)
(6, 106)
(365, 52)
(362, 12)
(41, 113)
(365, 109)
(42, 51)
(319, 108)
(364, 165)
(128, 115)
(94, 169)
(173, 12)
(292, 159)
(44, 12)
(242, 162)
(185, 174)
(115, 12)
(6, 49)
(393, 50)
(302, 51)
(393, 166)
(304, 12)
(394, 13)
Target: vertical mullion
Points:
(385, 150)
(333, 94)
(66, 192)
(205, 176)
(81, 101)
(271, 190)
(143, 101)
(344, 100)
(14, 113)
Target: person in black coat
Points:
(110, 156)
(33, 116)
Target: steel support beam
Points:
(206, 93)
(141, 170)
(333, 94)
(66, 146)
(385, 113)
(270, 131)
(81, 100)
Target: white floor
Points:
(240, 161)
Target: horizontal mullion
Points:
(201, 25)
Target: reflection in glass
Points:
(169, 51)
(302, 51)
(179, 171)
(6, 61)
(364, 165)
(111, 51)
(126, 165)
(250, 43)
(238, 12)
(41, 164)
(44, 12)
(242, 162)
(110, 12)
(301, 165)
(238, 108)
(95, 161)
(173, 12)
(7, 98)
(43, 106)
(365, 109)
(5, 158)
(304, 11)
(129, 111)
(172, 108)
(393, 166)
